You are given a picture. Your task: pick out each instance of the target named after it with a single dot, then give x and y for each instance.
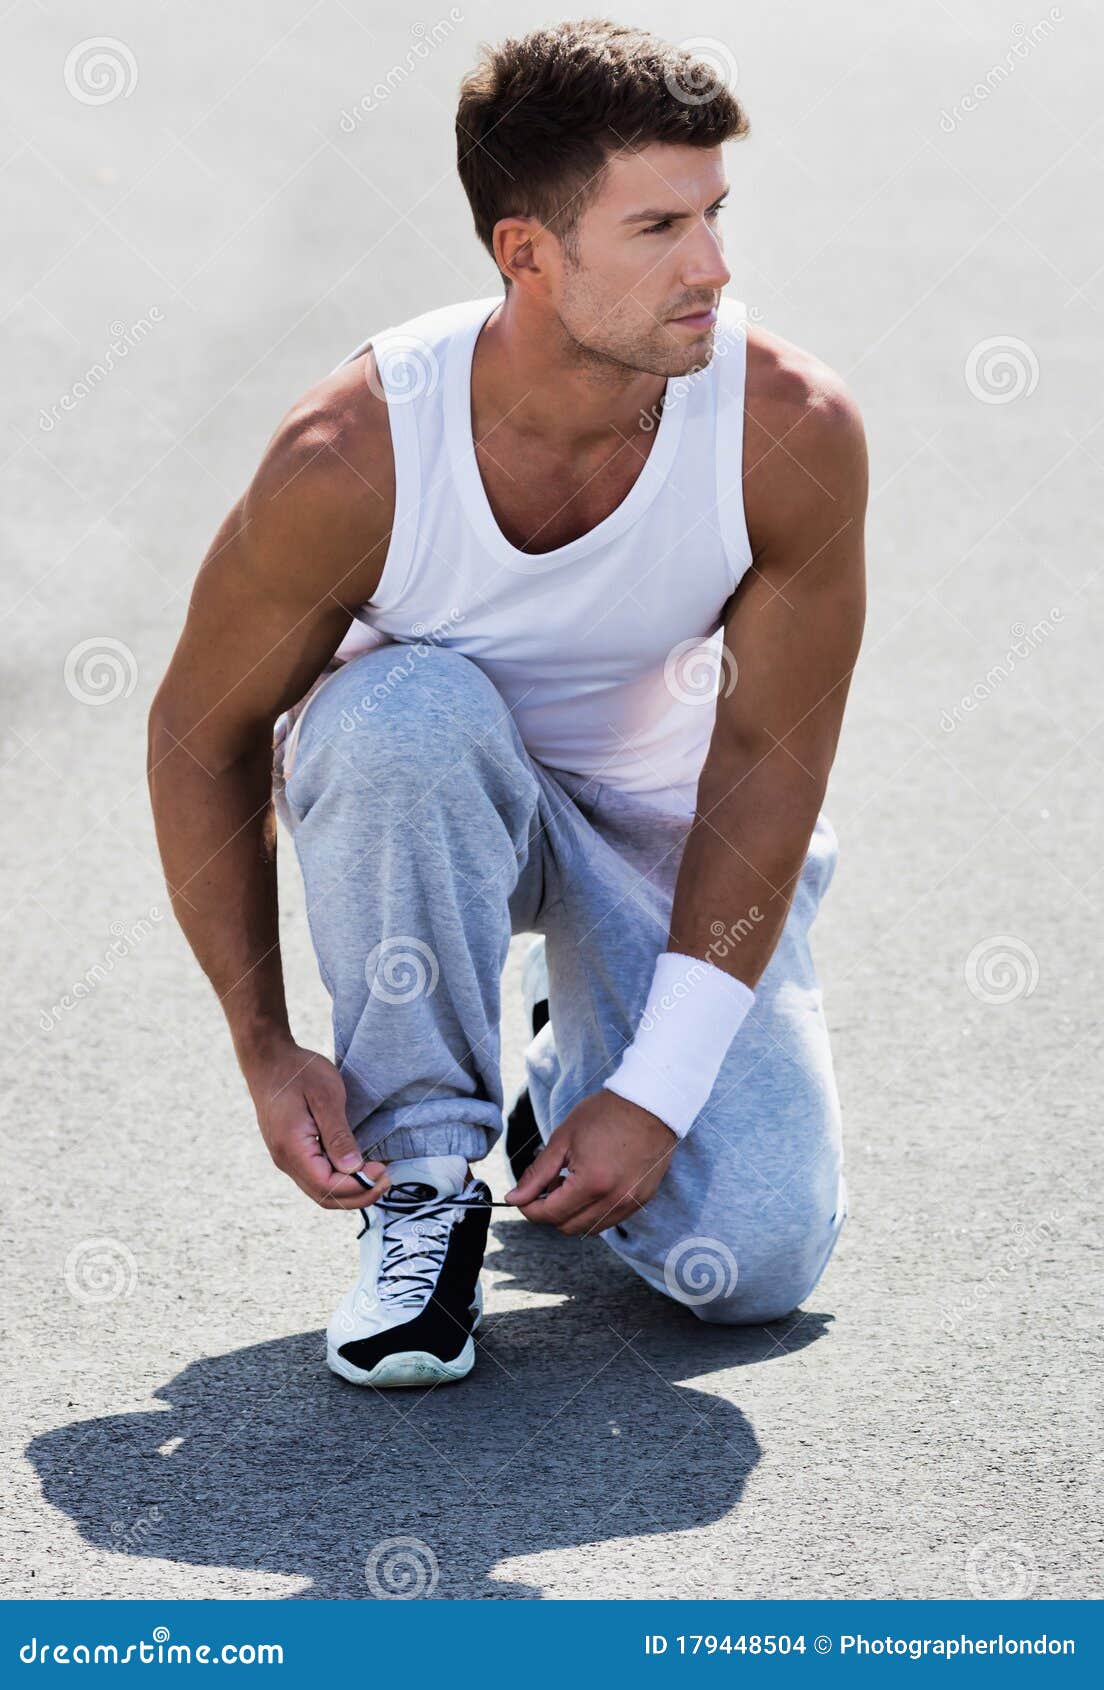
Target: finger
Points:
(313, 1173)
(327, 1106)
(358, 1190)
(372, 1177)
(364, 1201)
(599, 1217)
(538, 1175)
(570, 1198)
(337, 1192)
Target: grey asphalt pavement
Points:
(250, 192)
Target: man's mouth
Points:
(699, 320)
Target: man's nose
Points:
(704, 262)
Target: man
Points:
(556, 598)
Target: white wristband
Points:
(693, 1012)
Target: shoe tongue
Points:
(426, 1177)
(415, 1240)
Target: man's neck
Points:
(528, 370)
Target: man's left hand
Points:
(615, 1154)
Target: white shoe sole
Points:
(409, 1368)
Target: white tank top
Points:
(606, 650)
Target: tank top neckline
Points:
(469, 482)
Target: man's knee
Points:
(738, 1281)
(397, 708)
(758, 1299)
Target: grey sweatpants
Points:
(427, 835)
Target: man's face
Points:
(649, 252)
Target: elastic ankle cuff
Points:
(458, 1139)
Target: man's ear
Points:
(518, 243)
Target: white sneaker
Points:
(410, 1316)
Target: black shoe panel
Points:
(444, 1326)
(523, 1139)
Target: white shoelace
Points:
(415, 1239)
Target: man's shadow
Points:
(574, 1429)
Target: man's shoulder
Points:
(789, 387)
(325, 485)
(330, 459)
(335, 443)
(804, 442)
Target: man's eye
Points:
(661, 228)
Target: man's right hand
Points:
(299, 1097)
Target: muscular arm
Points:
(271, 603)
(792, 634)
(791, 639)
